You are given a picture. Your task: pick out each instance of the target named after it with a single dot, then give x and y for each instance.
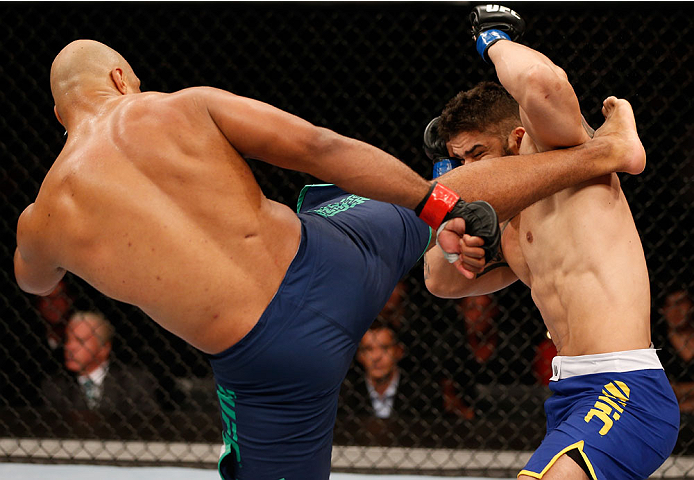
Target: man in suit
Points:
(91, 380)
(385, 389)
(379, 353)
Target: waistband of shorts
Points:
(626, 361)
(240, 350)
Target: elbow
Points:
(439, 288)
(42, 290)
(544, 84)
(19, 275)
(323, 142)
(30, 282)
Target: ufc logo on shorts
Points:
(500, 8)
(610, 405)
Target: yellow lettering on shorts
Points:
(610, 405)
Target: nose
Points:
(377, 354)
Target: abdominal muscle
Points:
(581, 255)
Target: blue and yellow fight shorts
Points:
(278, 387)
(616, 411)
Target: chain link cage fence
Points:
(378, 72)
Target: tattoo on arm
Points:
(427, 271)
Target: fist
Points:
(434, 146)
(496, 17)
(464, 251)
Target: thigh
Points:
(564, 468)
(623, 424)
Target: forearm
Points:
(260, 131)
(365, 170)
(443, 280)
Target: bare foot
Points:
(620, 127)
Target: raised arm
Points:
(548, 105)
(260, 131)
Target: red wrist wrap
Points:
(441, 200)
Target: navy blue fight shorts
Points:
(615, 411)
(278, 387)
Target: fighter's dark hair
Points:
(487, 107)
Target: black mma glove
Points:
(436, 150)
(491, 23)
(442, 204)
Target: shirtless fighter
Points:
(152, 203)
(613, 414)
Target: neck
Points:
(381, 384)
(91, 368)
(84, 104)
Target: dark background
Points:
(375, 71)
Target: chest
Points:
(529, 240)
(562, 231)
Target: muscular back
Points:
(152, 205)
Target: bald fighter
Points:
(152, 203)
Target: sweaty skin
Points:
(152, 203)
(581, 255)
(578, 250)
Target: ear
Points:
(399, 352)
(360, 356)
(514, 139)
(105, 351)
(57, 115)
(119, 80)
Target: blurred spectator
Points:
(479, 314)
(678, 312)
(21, 380)
(54, 309)
(379, 388)
(393, 312)
(481, 338)
(376, 391)
(379, 353)
(92, 380)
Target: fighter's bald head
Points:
(86, 65)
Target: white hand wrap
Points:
(451, 257)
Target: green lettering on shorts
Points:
(227, 404)
(334, 208)
(341, 206)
